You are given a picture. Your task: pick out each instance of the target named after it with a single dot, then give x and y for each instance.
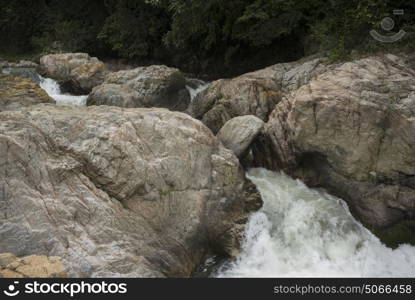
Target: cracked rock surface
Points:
(254, 93)
(352, 131)
(118, 192)
(77, 73)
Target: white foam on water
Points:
(303, 232)
(201, 86)
(53, 89)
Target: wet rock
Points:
(29, 73)
(17, 93)
(21, 64)
(77, 73)
(153, 86)
(23, 69)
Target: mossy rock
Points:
(398, 234)
(16, 93)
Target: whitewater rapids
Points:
(53, 89)
(199, 86)
(303, 232)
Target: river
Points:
(299, 232)
(53, 89)
(303, 232)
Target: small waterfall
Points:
(302, 232)
(196, 86)
(53, 89)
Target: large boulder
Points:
(77, 73)
(152, 86)
(238, 133)
(23, 69)
(17, 93)
(254, 93)
(33, 266)
(119, 192)
(351, 130)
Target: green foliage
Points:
(202, 25)
(65, 36)
(207, 34)
(222, 38)
(265, 21)
(135, 28)
(18, 24)
(70, 26)
(347, 23)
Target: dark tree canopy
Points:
(203, 36)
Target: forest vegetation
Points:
(215, 37)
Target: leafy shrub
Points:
(135, 28)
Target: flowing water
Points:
(299, 232)
(197, 87)
(53, 89)
(303, 232)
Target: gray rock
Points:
(153, 86)
(254, 93)
(118, 192)
(17, 93)
(21, 64)
(353, 128)
(29, 73)
(77, 73)
(238, 133)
